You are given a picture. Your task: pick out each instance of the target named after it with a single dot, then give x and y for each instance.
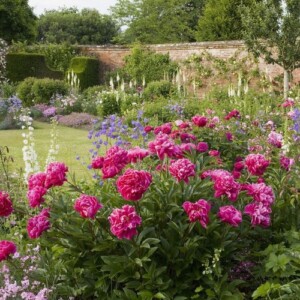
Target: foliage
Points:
(3, 53)
(9, 111)
(7, 89)
(23, 65)
(58, 56)
(17, 21)
(34, 90)
(109, 103)
(86, 70)
(157, 21)
(221, 20)
(145, 65)
(157, 89)
(86, 27)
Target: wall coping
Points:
(183, 46)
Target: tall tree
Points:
(221, 20)
(17, 21)
(82, 27)
(157, 21)
(272, 30)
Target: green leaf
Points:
(159, 296)
(262, 290)
(199, 289)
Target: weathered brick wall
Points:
(111, 57)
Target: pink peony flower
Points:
(6, 249)
(256, 164)
(6, 207)
(260, 193)
(214, 153)
(124, 221)
(239, 166)
(229, 214)
(182, 169)
(37, 179)
(229, 136)
(55, 174)
(166, 128)
(213, 122)
(259, 213)
(133, 184)
(224, 184)
(198, 211)
(135, 154)
(35, 196)
(233, 114)
(97, 162)
(38, 224)
(187, 137)
(286, 162)
(289, 102)
(87, 206)
(164, 146)
(187, 147)
(202, 147)
(199, 121)
(115, 160)
(148, 128)
(275, 139)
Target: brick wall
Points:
(111, 57)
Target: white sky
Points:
(101, 5)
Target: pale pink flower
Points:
(198, 211)
(133, 184)
(259, 213)
(182, 169)
(256, 164)
(135, 154)
(124, 222)
(289, 102)
(229, 214)
(87, 206)
(275, 139)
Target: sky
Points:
(40, 5)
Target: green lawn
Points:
(72, 142)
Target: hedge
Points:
(86, 69)
(22, 65)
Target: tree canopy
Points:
(272, 29)
(157, 21)
(221, 20)
(17, 21)
(76, 27)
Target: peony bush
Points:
(191, 214)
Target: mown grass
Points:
(72, 142)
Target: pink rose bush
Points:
(87, 206)
(124, 222)
(6, 207)
(133, 184)
(199, 121)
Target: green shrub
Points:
(87, 71)
(44, 89)
(156, 89)
(23, 65)
(24, 91)
(7, 89)
(129, 102)
(109, 104)
(144, 64)
(34, 90)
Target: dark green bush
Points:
(23, 65)
(87, 71)
(7, 89)
(157, 89)
(44, 89)
(34, 90)
(109, 104)
(24, 91)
